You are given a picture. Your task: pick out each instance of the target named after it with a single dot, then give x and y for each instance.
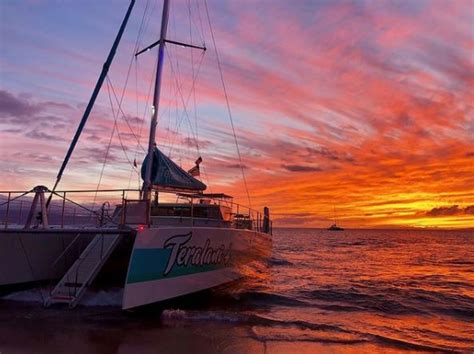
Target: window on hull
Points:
(199, 211)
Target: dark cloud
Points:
(39, 135)
(470, 154)
(22, 110)
(90, 155)
(329, 154)
(191, 142)
(20, 106)
(33, 157)
(235, 165)
(12, 130)
(450, 211)
(16, 106)
(135, 120)
(300, 168)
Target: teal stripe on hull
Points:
(149, 264)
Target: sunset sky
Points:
(365, 107)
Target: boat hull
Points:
(27, 257)
(171, 262)
(31, 257)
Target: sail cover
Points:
(165, 173)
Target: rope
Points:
(106, 155)
(12, 200)
(123, 114)
(137, 43)
(200, 23)
(150, 85)
(185, 102)
(117, 128)
(83, 207)
(227, 102)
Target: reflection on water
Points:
(413, 289)
(352, 291)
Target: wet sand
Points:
(29, 328)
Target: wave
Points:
(267, 299)
(458, 261)
(392, 301)
(32, 296)
(246, 318)
(266, 329)
(361, 301)
(404, 344)
(185, 315)
(265, 334)
(103, 298)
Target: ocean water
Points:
(353, 291)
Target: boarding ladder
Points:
(80, 275)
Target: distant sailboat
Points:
(334, 226)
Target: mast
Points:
(156, 100)
(95, 93)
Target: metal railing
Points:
(74, 208)
(67, 208)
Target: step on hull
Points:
(176, 261)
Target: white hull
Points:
(27, 257)
(169, 262)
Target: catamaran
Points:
(155, 247)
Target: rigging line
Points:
(204, 170)
(139, 124)
(178, 87)
(192, 70)
(176, 114)
(143, 25)
(137, 43)
(92, 211)
(147, 22)
(145, 110)
(150, 86)
(191, 21)
(185, 102)
(227, 102)
(200, 22)
(106, 151)
(123, 114)
(192, 75)
(174, 56)
(11, 200)
(136, 92)
(118, 132)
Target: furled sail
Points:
(165, 173)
